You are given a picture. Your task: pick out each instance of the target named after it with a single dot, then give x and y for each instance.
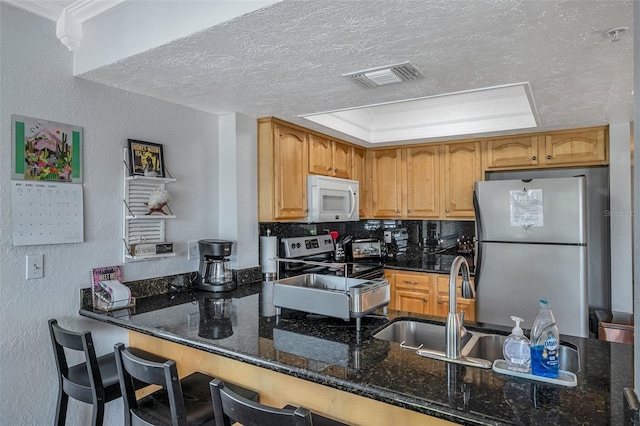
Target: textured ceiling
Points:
(288, 59)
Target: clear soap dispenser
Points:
(517, 349)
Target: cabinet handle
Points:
(398, 211)
(446, 210)
(534, 157)
(410, 282)
(439, 302)
(408, 210)
(330, 168)
(425, 300)
(549, 157)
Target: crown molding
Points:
(80, 10)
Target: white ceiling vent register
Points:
(389, 74)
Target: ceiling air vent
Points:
(389, 74)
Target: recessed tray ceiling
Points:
(492, 109)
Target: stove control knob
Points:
(298, 245)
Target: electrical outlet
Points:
(35, 266)
(193, 252)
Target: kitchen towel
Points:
(268, 252)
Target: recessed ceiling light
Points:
(492, 109)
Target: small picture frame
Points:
(145, 159)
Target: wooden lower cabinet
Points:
(278, 389)
(426, 293)
(414, 292)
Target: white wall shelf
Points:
(140, 227)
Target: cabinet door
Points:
(585, 147)
(290, 155)
(423, 181)
(358, 170)
(414, 292)
(511, 153)
(390, 276)
(387, 183)
(461, 171)
(413, 301)
(466, 305)
(320, 156)
(341, 160)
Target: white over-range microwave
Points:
(332, 199)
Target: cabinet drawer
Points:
(413, 281)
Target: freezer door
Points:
(563, 217)
(514, 277)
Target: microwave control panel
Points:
(307, 246)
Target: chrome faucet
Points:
(454, 329)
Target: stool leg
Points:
(61, 409)
(98, 413)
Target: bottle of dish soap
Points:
(516, 349)
(545, 340)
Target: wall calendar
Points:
(46, 213)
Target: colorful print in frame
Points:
(44, 150)
(145, 159)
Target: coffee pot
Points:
(215, 273)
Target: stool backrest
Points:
(78, 341)
(228, 404)
(164, 374)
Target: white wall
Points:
(36, 80)
(621, 217)
(238, 189)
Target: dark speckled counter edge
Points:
(400, 400)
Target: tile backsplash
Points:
(422, 235)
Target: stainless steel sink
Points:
(489, 347)
(416, 334)
(478, 349)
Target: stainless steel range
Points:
(315, 254)
(316, 284)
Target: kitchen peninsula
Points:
(323, 364)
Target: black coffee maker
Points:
(215, 274)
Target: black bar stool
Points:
(180, 402)
(94, 381)
(228, 405)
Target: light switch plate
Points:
(35, 266)
(193, 252)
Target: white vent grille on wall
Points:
(389, 74)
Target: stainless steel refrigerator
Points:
(532, 244)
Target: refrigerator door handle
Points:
(476, 208)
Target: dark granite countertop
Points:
(328, 351)
(439, 262)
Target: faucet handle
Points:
(463, 330)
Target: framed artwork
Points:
(145, 159)
(45, 150)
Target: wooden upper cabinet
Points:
(358, 172)
(341, 160)
(583, 147)
(290, 173)
(320, 156)
(577, 147)
(462, 168)
(329, 158)
(512, 153)
(423, 181)
(386, 169)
